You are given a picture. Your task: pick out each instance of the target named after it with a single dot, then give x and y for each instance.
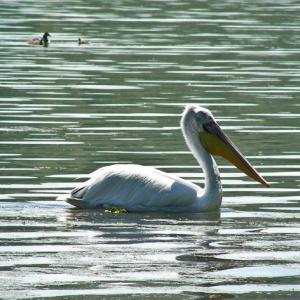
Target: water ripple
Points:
(68, 109)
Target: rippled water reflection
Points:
(66, 110)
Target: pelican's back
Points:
(135, 188)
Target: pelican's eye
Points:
(205, 127)
(209, 125)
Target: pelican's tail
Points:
(75, 197)
(76, 202)
(73, 201)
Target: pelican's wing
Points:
(133, 187)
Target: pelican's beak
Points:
(215, 141)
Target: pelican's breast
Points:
(135, 187)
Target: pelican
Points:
(142, 188)
(44, 41)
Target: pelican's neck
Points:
(212, 195)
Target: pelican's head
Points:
(216, 142)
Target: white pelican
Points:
(140, 188)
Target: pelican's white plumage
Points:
(141, 188)
(135, 187)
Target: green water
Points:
(68, 109)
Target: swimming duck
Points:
(40, 41)
(83, 42)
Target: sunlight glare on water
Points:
(68, 109)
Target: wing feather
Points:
(133, 187)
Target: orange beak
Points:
(216, 142)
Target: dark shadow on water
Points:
(100, 215)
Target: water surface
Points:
(66, 110)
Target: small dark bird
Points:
(83, 42)
(44, 41)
